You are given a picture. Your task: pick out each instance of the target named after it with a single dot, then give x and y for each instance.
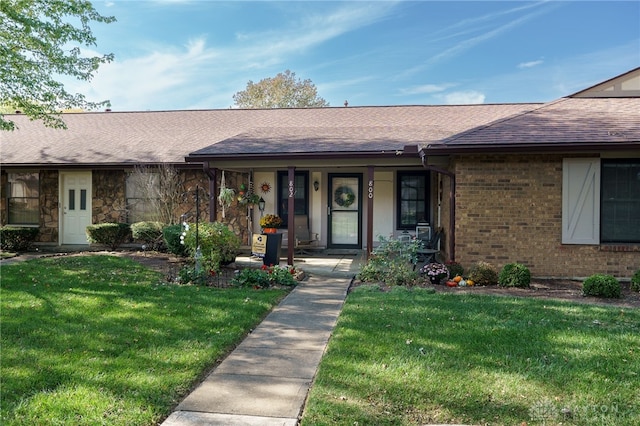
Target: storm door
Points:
(344, 210)
(76, 206)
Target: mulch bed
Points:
(569, 290)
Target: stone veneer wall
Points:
(108, 203)
(49, 206)
(509, 209)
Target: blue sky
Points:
(174, 54)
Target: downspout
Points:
(213, 190)
(452, 202)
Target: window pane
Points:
(620, 209)
(412, 199)
(23, 211)
(83, 199)
(72, 199)
(23, 198)
(142, 192)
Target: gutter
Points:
(451, 241)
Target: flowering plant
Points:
(270, 221)
(435, 271)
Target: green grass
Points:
(101, 340)
(413, 357)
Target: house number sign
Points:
(370, 189)
(291, 189)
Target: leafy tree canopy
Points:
(281, 91)
(40, 40)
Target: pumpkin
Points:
(457, 278)
(470, 283)
(452, 283)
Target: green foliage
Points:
(483, 273)
(514, 275)
(40, 41)
(217, 242)
(112, 235)
(148, 232)
(635, 281)
(15, 238)
(266, 276)
(392, 262)
(454, 269)
(171, 235)
(601, 285)
(281, 91)
(190, 275)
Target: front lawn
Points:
(414, 357)
(101, 340)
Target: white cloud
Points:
(530, 64)
(426, 89)
(169, 76)
(463, 97)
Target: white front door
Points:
(75, 197)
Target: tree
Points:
(281, 91)
(40, 40)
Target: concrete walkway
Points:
(265, 380)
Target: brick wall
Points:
(509, 209)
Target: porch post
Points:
(291, 211)
(369, 211)
(213, 190)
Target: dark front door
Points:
(345, 210)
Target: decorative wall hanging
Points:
(265, 187)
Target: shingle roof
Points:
(112, 138)
(566, 124)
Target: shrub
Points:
(483, 273)
(635, 281)
(266, 276)
(392, 262)
(514, 275)
(217, 242)
(15, 238)
(171, 236)
(454, 269)
(109, 234)
(149, 233)
(601, 285)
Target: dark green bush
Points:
(483, 273)
(601, 285)
(171, 235)
(635, 281)
(218, 243)
(392, 262)
(514, 275)
(265, 277)
(454, 269)
(15, 238)
(112, 235)
(149, 233)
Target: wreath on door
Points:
(344, 196)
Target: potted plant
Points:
(270, 222)
(436, 272)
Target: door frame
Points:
(63, 200)
(330, 190)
